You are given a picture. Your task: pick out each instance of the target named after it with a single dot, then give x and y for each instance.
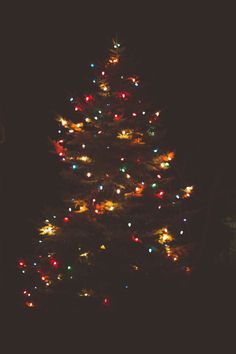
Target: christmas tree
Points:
(123, 216)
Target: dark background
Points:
(184, 55)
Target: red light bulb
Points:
(54, 263)
(136, 239)
(160, 195)
(21, 264)
(88, 98)
(106, 301)
(116, 117)
(66, 219)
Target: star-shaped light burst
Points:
(49, 229)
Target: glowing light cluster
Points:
(49, 229)
(81, 206)
(163, 236)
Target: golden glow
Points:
(63, 122)
(107, 205)
(45, 278)
(138, 140)
(125, 134)
(84, 255)
(187, 191)
(137, 193)
(88, 120)
(104, 86)
(76, 127)
(164, 236)
(86, 292)
(163, 160)
(48, 229)
(169, 156)
(103, 247)
(81, 205)
(113, 60)
(135, 267)
(85, 159)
